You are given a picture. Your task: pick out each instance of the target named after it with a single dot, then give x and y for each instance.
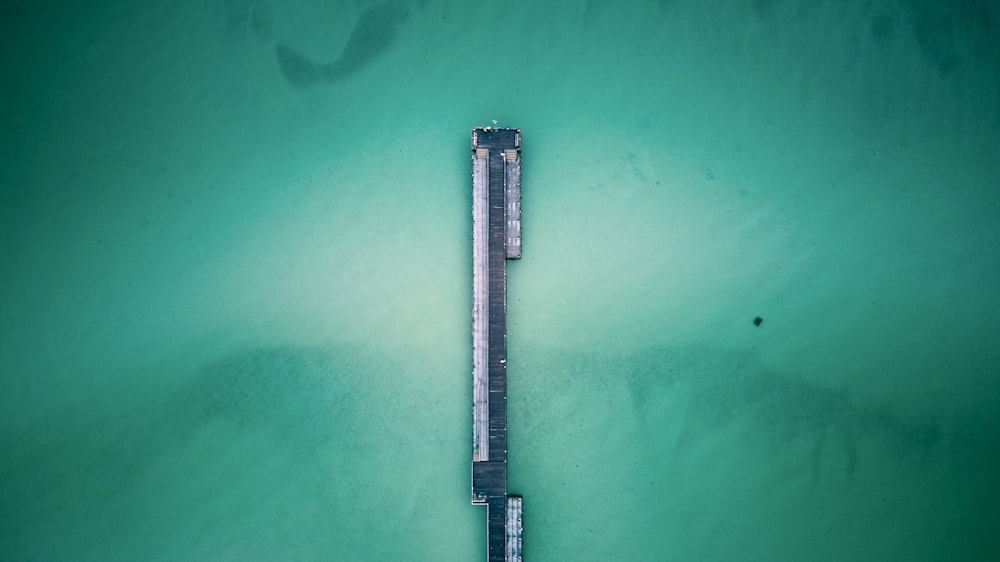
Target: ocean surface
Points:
(235, 279)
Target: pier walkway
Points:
(496, 237)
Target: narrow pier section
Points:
(480, 305)
(514, 528)
(512, 167)
(496, 237)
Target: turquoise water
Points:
(236, 292)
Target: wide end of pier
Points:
(496, 237)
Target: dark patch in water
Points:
(955, 34)
(882, 29)
(372, 36)
(298, 70)
(248, 15)
(720, 388)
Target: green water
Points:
(236, 305)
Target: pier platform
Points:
(496, 237)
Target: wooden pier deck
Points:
(496, 236)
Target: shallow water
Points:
(236, 300)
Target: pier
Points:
(496, 237)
